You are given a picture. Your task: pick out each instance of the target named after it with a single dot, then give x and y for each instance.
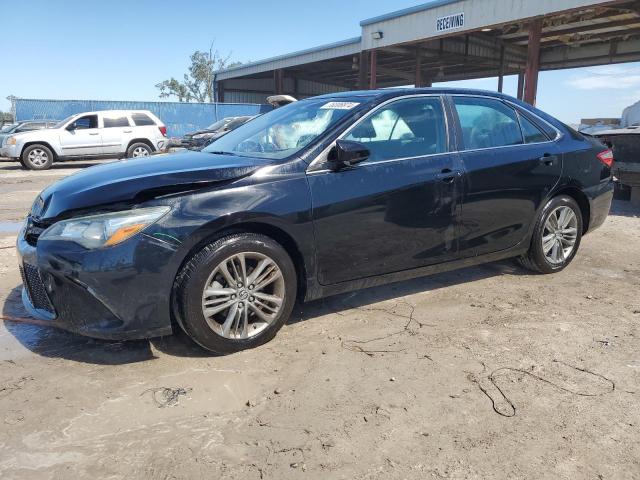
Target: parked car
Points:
(25, 126)
(105, 134)
(280, 100)
(625, 145)
(326, 195)
(201, 138)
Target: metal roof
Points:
(295, 58)
(407, 11)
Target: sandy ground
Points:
(483, 373)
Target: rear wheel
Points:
(138, 150)
(37, 157)
(236, 293)
(556, 237)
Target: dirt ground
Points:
(483, 373)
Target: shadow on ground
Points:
(7, 165)
(621, 208)
(53, 342)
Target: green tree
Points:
(197, 84)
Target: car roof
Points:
(398, 92)
(113, 111)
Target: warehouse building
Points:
(445, 40)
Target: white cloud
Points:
(608, 77)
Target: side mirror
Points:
(347, 153)
(71, 127)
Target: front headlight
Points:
(10, 141)
(104, 230)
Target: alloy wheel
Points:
(243, 295)
(140, 152)
(559, 235)
(38, 157)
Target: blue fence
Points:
(179, 117)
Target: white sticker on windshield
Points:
(340, 105)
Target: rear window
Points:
(142, 119)
(110, 122)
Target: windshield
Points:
(61, 123)
(8, 128)
(284, 131)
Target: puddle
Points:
(10, 227)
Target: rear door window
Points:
(142, 119)
(487, 123)
(119, 121)
(406, 128)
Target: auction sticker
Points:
(340, 105)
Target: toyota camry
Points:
(326, 195)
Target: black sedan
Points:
(322, 196)
(201, 138)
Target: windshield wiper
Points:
(219, 152)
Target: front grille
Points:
(33, 231)
(35, 288)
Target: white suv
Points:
(110, 133)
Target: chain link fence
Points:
(179, 117)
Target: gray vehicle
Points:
(25, 126)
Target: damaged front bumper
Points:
(121, 292)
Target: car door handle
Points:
(127, 131)
(548, 159)
(96, 133)
(448, 176)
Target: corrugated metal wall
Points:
(256, 90)
(179, 117)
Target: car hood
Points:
(135, 180)
(201, 132)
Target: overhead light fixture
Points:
(377, 35)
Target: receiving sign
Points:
(450, 22)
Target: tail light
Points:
(163, 130)
(606, 157)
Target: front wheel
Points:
(556, 236)
(37, 157)
(236, 293)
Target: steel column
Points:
(520, 92)
(533, 62)
(373, 70)
(278, 81)
(418, 81)
(501, 75)
(363, 71)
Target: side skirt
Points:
(317, 291)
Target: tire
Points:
(37, 157)
(22, 164)
(238, 326)
(139, 149)
(551, 258)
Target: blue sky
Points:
(118, 50)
